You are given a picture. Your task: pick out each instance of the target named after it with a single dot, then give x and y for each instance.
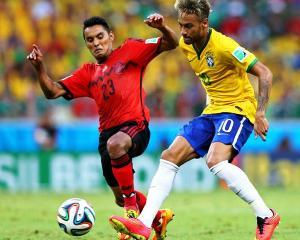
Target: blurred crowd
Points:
(269, 28)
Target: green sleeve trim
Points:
(251, 65)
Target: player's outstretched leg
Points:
(238, 182)
(266, 226)
(160, 225)
(130, 226)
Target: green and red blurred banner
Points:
(83, 172)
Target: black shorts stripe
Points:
(132, 131)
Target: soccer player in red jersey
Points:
(115, 83)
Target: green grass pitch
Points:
(217, 215)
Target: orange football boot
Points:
(266, 226)
(160, 227)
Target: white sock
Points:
(160, 188)
(239, 183)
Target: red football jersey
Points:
(116, 84)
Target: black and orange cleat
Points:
(266, 226)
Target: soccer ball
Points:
(75, 217)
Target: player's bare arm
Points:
(50, 88)
(265, 76)
(169, 39)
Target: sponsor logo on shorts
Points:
(219, 134)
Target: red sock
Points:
(141, 202)
(157, 218)
(123, 172)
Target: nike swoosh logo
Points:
(222, 134)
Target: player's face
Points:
(192, 28)
(98, 41)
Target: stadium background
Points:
(52, 145)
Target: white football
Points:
(76, 217)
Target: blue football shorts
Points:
(228, 128)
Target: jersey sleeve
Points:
(76, 84)
(233, 53)
(143, 51)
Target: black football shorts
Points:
(140, 135)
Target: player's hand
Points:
(155, 20)
(36, 56)
(261, 125)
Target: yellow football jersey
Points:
(222, 67)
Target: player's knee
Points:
(168, 155)
(115, 148)
(213, 159)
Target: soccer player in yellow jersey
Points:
(225, 125)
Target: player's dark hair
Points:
(201, 8)
(92, 21)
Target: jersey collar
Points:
(205, 44)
